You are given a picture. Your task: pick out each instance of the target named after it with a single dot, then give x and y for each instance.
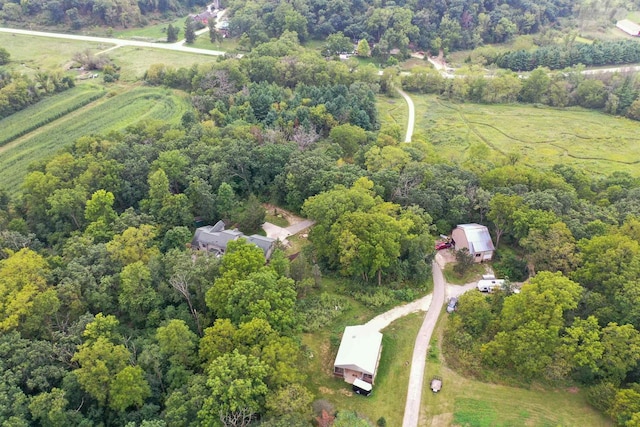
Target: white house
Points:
(476, 239)
(629, 27)
(358, 355)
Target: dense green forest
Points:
(110, 319)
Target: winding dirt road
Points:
(412, 115)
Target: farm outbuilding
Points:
(358, 355)
(476, 238)
(629, 27)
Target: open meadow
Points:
(469, 403)
(120, 108)
(538, 135)
(30, 54)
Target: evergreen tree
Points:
(190, 30)
(172, 34)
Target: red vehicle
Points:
(443, 245)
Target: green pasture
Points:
(481, 135)
(390, 389)
(393, 111)
(134, 61)
(469, 403)
(30, 54)
(49, 109)
(121, 108)
(154, 32)
(204, 42)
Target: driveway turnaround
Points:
(418, 362)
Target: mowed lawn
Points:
(121, 108)
(469, 403)
(541, 136)
(390, 389)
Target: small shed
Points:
(629, 27)
(358, 355)
(476, 238)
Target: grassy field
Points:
(473, 274)
(389, 393)
(121, 108)
(47, 110)
(31, 54)
(468, 403)
(541, 136)
(154, 32)
(134, 61)
(393, 111)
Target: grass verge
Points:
(112, 113)
(474, 273)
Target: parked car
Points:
(443, 245)
(453, 302)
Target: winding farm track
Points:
(418, 362)
(412, 115)
(178, 47)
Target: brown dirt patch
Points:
(276, 210)
(325, 390)
(573, 390)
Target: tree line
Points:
(613, 93)
(617, 52)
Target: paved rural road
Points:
(412, 115)
(416, 377)
(118, 42)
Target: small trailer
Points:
(436, 384)
(361, 387)
(490, 285)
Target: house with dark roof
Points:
(358, 355)
(214, 239)
(476, 239)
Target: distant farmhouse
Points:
(629, 27)
(358, 355)
(214, 239)
(476, 239)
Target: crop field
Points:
(47, 110)
(114, 112)
(469, 403)
(539, 136)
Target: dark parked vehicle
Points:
(361, 387)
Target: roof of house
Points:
(359, 349)
(478, 237)
(215, 236)
(264, 243)
(629, 27)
